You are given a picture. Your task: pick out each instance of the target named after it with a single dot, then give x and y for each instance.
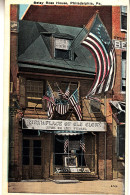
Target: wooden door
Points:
(32, 158)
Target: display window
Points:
(75, 153)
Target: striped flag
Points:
(50, 101)
(51, 109)
(62, 94)
(101, 47)
(82, 144)
(74, 100)
(66, 144)
(67, 92)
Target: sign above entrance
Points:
(63, 125)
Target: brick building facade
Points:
(37, 152)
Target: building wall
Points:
(14, 129)
(117, 34)
(104, 159)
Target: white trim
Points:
(123, 30)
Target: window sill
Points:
(123, 92)
(63, 59)
(123, 30)
(29, 108)
(34, 98)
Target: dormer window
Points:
(123, 18)
(62, 48)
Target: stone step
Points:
(81, 177)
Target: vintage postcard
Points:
(65, 127)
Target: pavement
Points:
(111, 187)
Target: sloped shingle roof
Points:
(34, 48)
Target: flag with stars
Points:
(100, 45)
(50, 101)
(74, 101)
(62, 94)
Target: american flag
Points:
(100, 45)
(82, 144)
(74, 100)
(67, 92)
(51, 109)
(62, 94)
(50, 101)
(53, 104)
(66, 144)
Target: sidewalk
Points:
(83, 187)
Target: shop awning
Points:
(66, 133)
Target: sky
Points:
(22, 9)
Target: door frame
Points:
(32, 168)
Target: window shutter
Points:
(95, 106)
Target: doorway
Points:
(32, 158)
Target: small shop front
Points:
(57, 148)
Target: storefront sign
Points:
(63, 125)
(118, 44)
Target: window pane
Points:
(94, 106)
(124, 21)
(37, 152)
(36, 160)
(59, 144)
(124, 55)
(63, 44)
(124, 9)
(122, 141)
(26, 150)
(25, 143)
(123, 69)
(37, 143)
(34, 91)
(62, 54)
(25, 160)
(123, 82)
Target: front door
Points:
(32, 158)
